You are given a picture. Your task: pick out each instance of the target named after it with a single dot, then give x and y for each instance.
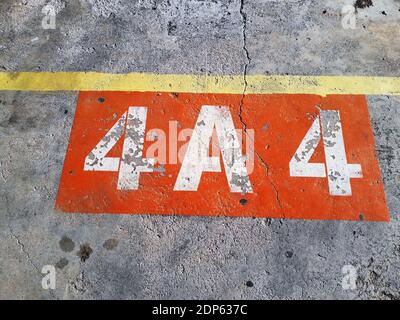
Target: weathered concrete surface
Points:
(113, 256)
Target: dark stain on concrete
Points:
(13, 118)
(61, 263)
(110, 244)
(361, 4)
(171, 28)
(66, 244)
(84, 252)
(179, 252)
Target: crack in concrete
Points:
(248, 60)
(2, 172)
(22, 248)
(19, 242)
(265, 165)
(79, 284)
(241, 105)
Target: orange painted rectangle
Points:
(275, 126)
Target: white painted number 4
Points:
(132, 163)
(336, 167)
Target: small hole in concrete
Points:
(361, 216)
(249, 284)
(243, 202)
(101, 99)
(289, 254)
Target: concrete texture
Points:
(122, 256)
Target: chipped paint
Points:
(315, 161)
(151, 82)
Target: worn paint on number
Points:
(279, 155)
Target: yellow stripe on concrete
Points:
(94, 81)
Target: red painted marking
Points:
(280, 123)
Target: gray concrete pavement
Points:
(148, 256)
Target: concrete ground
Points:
(166, 257)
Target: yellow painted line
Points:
(256, 84)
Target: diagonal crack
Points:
(19, 242)
(26, 253)
(22, 246)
